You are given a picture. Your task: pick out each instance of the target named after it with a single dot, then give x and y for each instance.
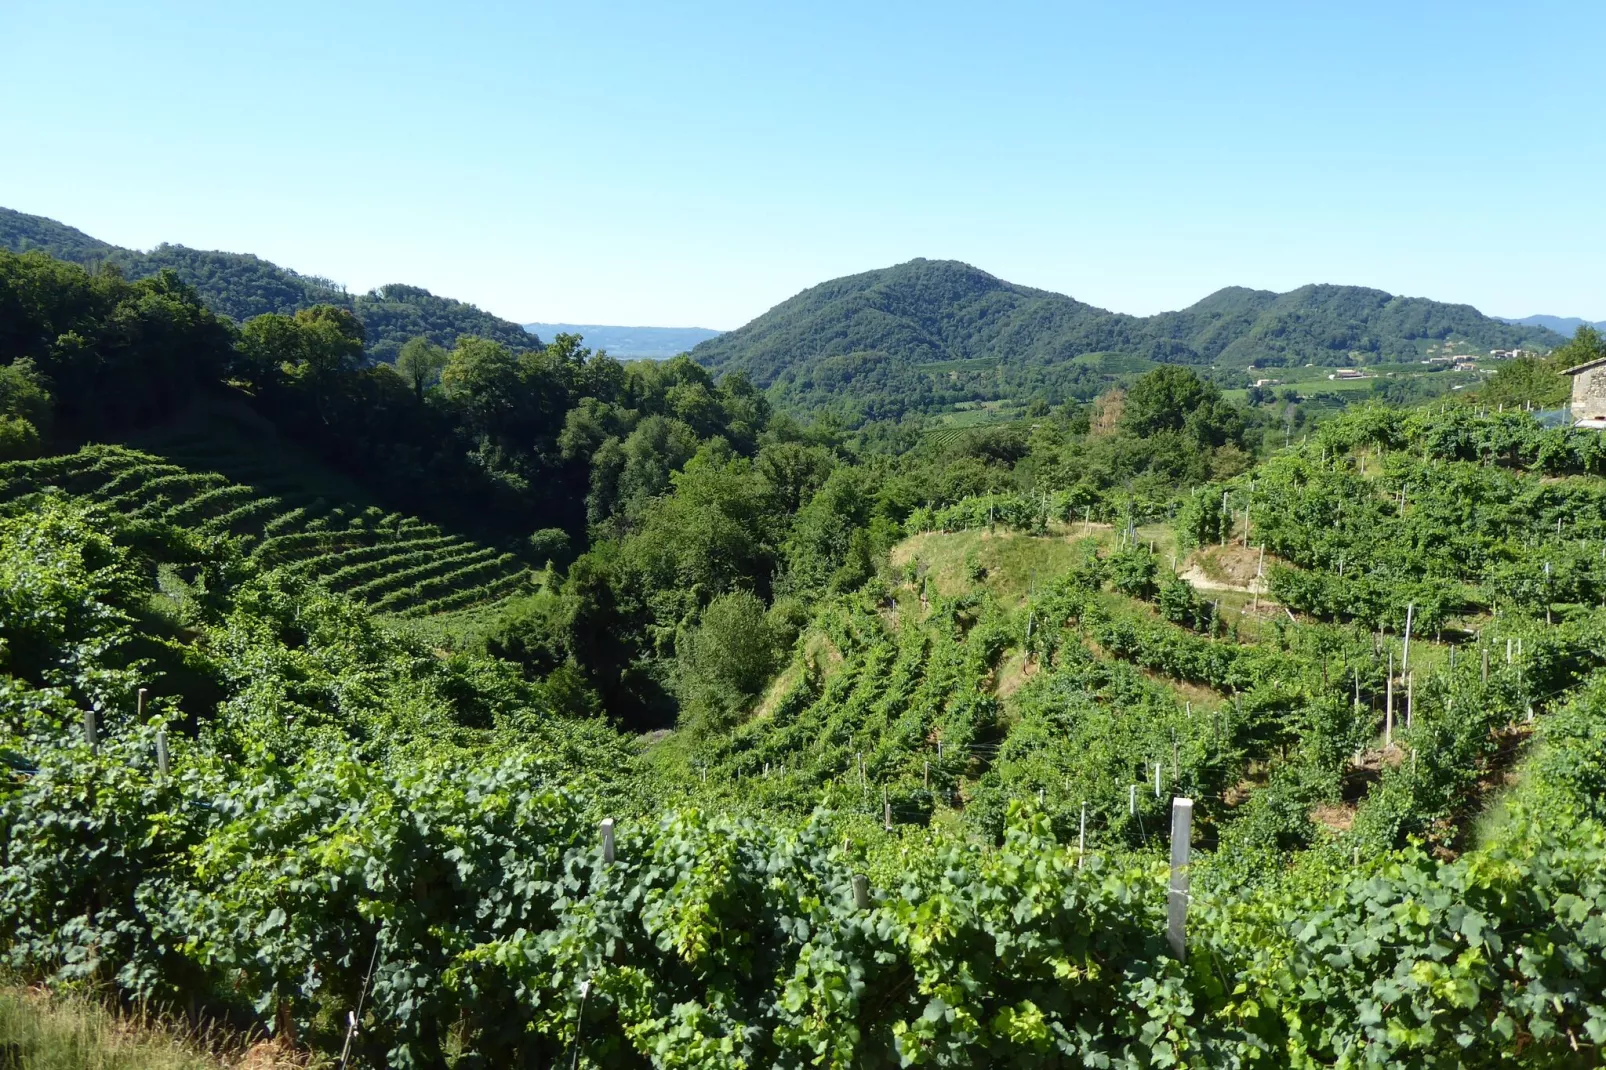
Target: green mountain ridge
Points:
(926, 333)
(240, 285)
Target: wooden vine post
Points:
(607, 839)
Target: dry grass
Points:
(1337, 816)
(779, 688)
(1013, 673)
(44, 1031)
(1232, 566)
(1107, 412)
(1010, 559)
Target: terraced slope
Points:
(389, 561)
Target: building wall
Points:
(1589, 394)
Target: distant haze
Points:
(1563, 325)
(657, 343)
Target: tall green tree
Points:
(420, 362)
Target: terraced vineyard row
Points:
(391, 562)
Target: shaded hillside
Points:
(239, 286)
(930, 333)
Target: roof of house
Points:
(1585, 366)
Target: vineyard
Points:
(389, 562)
(938, 835)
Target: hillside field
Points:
(218, 477)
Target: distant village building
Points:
(1589, 393)
(1347, 373)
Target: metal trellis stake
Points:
(607, 839)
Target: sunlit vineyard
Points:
(939, 834)
(387, 561)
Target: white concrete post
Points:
(1176, 930)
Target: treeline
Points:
(810, 514)
(239, 286)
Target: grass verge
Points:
(44, 1031)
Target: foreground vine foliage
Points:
(352, 818)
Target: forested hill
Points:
(239, 286)
(931, 332)
(899, 338)
(1239, 327)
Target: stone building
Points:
(1589, 392)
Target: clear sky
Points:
(696, 163)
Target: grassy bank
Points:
(40, 1031)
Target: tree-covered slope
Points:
(924, 312)
(239, 286)
(1324, 323)
(20, 233)
(932, 332)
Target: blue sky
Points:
(696, 163)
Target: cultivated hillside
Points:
(932, 332)
(239, 286)
(219, 478)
